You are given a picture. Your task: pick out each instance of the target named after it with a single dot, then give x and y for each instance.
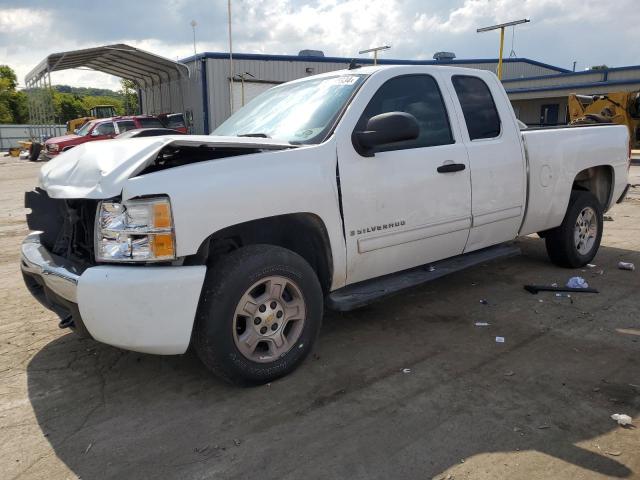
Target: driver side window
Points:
(418, 95)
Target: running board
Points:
(363, 293)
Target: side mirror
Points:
(76, 131)
(95, 133)
(384, 129)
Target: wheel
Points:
(259, 315)
(34, 151)
(576, 241)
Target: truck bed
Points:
(556, 155)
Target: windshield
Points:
(84, 130)
(298, 112)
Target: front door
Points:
(399, 210)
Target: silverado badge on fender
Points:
(377, 228)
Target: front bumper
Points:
(143, 308)
(53, 281)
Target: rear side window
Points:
(175, 121)
(150, 123)
(480, 113)
(420, 96)
(125, 125)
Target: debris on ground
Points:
(613, 453)
(88, 448)
(406, 370)
(499, 339)
(622, 419)
(509, 373)
(607, 218)
(237, 442)
(591, 265)
(544, 427)
(577, 282)
(484, 302)
(482, 324)
(626, 266)
(535, 289)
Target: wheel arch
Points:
(598, 180)
(303, 233)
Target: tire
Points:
(34, 151)
(565, 246)
(222, 322)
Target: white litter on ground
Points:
(577, 282)
(499, 339)
(621, 418)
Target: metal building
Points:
(542, 100)
(212, 92)
(206, 89)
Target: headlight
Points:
(53, 147)
(135, 231)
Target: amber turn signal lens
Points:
(162, 246)
(161, 215)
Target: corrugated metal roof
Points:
(144, 68)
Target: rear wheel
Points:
(259, 315)
(576, 241)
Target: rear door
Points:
(490, 133)
(399, 210)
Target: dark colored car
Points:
(148, 132)
(101, 129)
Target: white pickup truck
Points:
(334, 190)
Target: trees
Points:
(13, 103)
(68, 102)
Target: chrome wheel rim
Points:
(269, 319)
(585, 230)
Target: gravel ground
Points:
(407, 388)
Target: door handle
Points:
(451, 167)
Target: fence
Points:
(10, 135)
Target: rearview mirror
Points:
(384, 129)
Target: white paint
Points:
(559, 155)
(401, 185)
(145, 309)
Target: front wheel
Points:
(259, 315)
(576, 241)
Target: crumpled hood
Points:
(98, 170)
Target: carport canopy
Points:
(125, 61)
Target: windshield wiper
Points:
(257, 135)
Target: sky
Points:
(589, 32)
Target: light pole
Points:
(375, 51)
(230, 57)
(194, 24)
(501, 26)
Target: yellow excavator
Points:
(621, 108)
(99, 111)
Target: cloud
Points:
(561, 31)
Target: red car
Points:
(101, 129)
